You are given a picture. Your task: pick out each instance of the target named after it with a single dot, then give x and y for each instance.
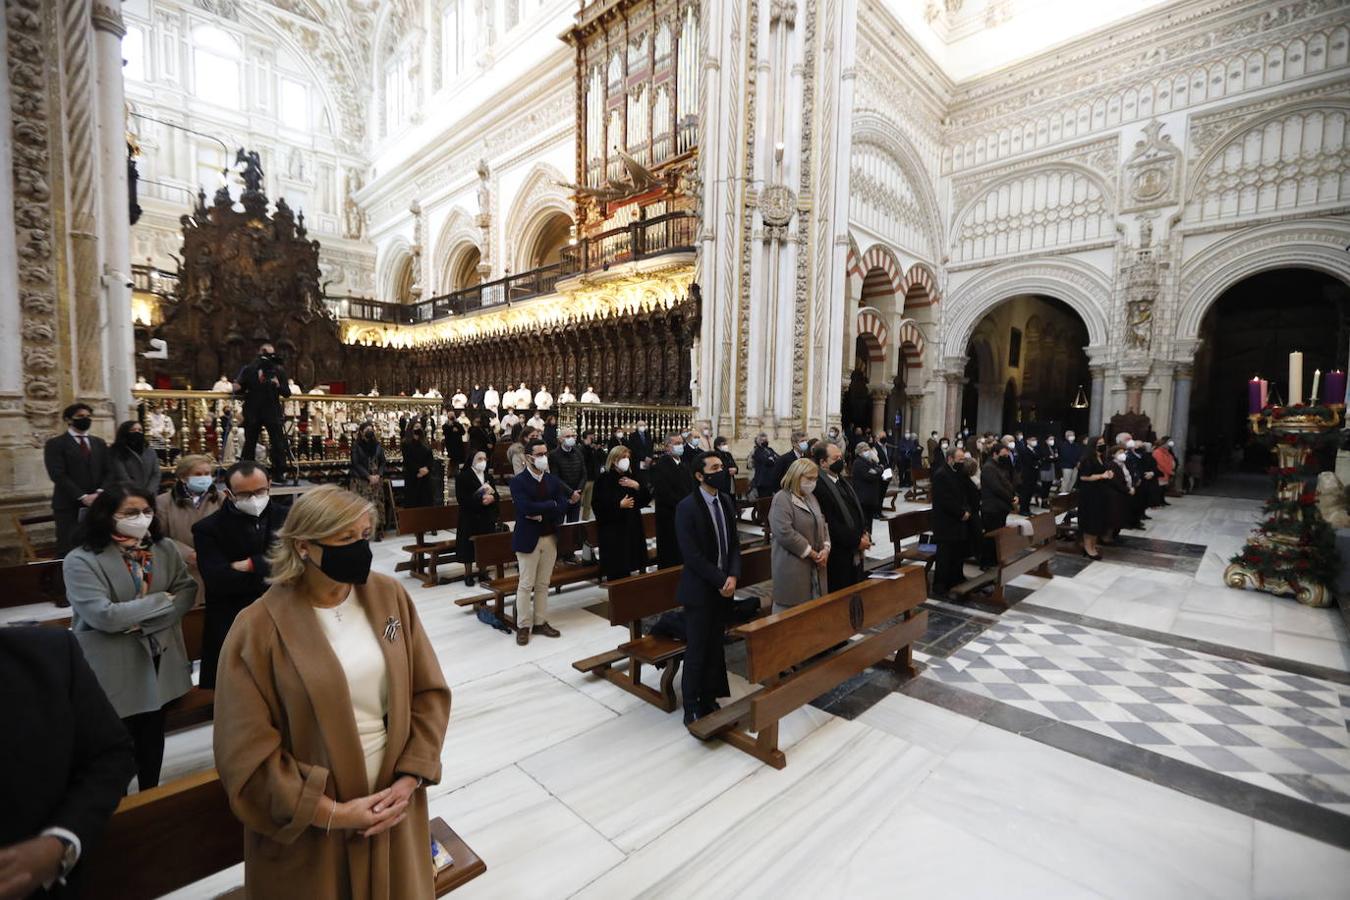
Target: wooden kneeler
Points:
(794, 656)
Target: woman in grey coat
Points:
(801, 538)
(129, 590)
(131, 460)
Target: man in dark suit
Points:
(705, 522)
(795, 452)
(850, 530)
(263, 384)
(231, 546)
(934, 450)
(949, 519)
(77, 464)
(764, 461)
(67, 756)
(541, 502)
(476, 397)
(640, 445)
(867, 481)
(671, 481)
(997, 499)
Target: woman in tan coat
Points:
(801, 538)
(192, 497)
(330, 712)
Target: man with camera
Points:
(263, 384)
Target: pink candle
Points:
(1333, 387)
(1254, 396)
(1265, 390)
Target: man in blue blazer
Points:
(705, 525)
(541, 502)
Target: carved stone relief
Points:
(1151, 177)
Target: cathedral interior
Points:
(749, 218)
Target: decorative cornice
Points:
(108, 17)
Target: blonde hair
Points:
(190, 462)
(617, 453)
(792, 478)
(317, 514)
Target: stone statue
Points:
(1331, 501)
(1146, 233)
(253, 172)
(354, 220)
(484, 192)
(1139, 325)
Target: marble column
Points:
(11, 341)
(1181, 406)
(1095, 413)
(879, 397)
(952, 410)
(114, 215)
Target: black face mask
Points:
(368, 438)
(136, 440)
(1101, 448)
(81, 424)
(837, 466)
(347, 563)
(720, 480)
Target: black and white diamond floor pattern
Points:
(1278, 730)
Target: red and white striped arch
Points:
(911, 345)
(871, 323)
(920, 287)
(882, 273)
(853, 272)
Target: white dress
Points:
(358, 651)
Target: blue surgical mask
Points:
(802, 445)
(678, 449)
(199, 484)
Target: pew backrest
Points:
(419, 520)
(909, 524)
(639, 596)
(33, 582)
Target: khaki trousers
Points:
(536, 567)
(586, 499)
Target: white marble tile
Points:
(503, 718)
(559, 665)
(931, 727)
(678, 774)
(533, 845)
(209, 888)
(1334, 654)
(1129, 605)
(1249, 606)
(1115, 833)
(1295, 618)
(1289, 866)
(790, 833)
(1066, 594)
(186, 752)
(1226, 630)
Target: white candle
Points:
(1295, 378)
(1317, 382)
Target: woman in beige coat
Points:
(330, 712)
(801, 538)
(192, 497)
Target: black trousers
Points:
(947, 569)
(667, 544)
(66, 522)
(276, 437)
(147, 734)
(705, 663)
(985, 546)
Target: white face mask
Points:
(253, 506)
(1050, 443)
(1120, 457)
(1031, 444)
(569, 442)
(1171, 443)
(1069, 437)
(623, 464)
(135, 527)
(642, 429)
(540, 463)
(693, 442)
(808, 486)
(480, 465)
(1129, 445)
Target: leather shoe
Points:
(547, 630)
(522, 636)
(468, 581)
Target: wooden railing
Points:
(605, 418)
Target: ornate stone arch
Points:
(853, 273)
(388, 267)
(920, 287)
(1314, 243)
(872, 322)
(879, 256)
(1085, 289)
(456, 234)
(911, 344)
(539, 198)
(870, 128)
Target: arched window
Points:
(216, 68)
(459, 27)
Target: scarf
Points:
(139, 559)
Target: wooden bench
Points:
(892, 497)
(31, 549)
(808, 650)
(912, 525)
(1065, 505)
(172, 836)
(921, 484)
(1017, 554)
(493, 551)
(633, 599)
(423, 554)
(33, 582)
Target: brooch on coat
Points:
(391, 627)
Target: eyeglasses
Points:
(133, 514)
(245, 495)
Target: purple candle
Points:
(1333, 387)
(1254, 396)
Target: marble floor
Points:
(568, 786)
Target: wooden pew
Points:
(796, 656)
(633, 599)
(921, 484)
(30, 548)
(493, 551)
(891, 498)
(908, 525)
(169, 837)
(33, 582)
(423, 554)
(1017, 554)
(1065, 505)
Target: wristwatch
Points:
(70, 853)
